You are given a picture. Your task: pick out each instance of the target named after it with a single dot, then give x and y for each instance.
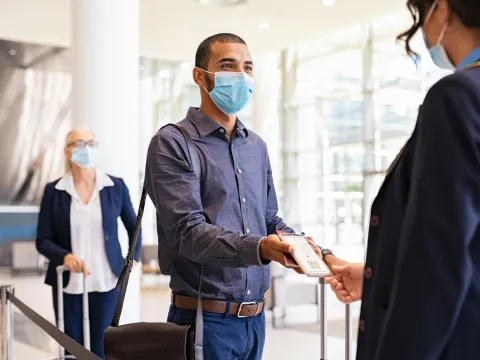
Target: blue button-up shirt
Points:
(218, 221)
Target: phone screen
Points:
(307, 255)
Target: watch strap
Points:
(326, 252)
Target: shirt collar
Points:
(102, 180)
(471, 58)
(206, 126)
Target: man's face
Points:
(227, 57)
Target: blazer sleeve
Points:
(129, 219)
(45, 241)
(434, 269)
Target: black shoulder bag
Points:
(154, 341)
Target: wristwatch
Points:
(326, 252)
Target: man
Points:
(227, 220)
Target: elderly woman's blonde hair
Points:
(68, 162)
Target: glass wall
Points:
(362, 92)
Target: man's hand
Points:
(75, 264)
(272, 248)
(347, 283)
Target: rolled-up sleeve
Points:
(175, 190)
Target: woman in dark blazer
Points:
(78, 228)
(421, 278)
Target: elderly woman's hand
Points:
(75, 264)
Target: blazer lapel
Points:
(104, 195)
(400, 154)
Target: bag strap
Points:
(127, 267)
(195, 163)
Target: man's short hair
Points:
(203, 51)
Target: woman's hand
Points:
(75, 264)
(347, 283)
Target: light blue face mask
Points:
(232, 91)
(85, 157)
(437, 52)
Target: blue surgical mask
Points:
(232, 91)
(85, 157)
(437, 52)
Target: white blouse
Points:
(87, 237)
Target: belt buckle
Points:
(247, 303)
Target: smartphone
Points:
(288, 259)
(306, 258)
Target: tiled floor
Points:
(287, 343)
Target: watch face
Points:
(326, 252)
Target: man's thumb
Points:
(342, 269)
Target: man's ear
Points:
(198, 77)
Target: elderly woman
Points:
(78, 228)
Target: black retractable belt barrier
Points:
(67, 342)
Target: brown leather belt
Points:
(244, 309)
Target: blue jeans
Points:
(226, 337)
(101, 308)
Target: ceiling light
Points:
(223, 2)
(264, 26)
(328, 2)
(12, 52)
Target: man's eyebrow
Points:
(224, 60)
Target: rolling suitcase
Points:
(60, 316)
(322, 304)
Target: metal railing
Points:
(8, 299)
(7, 291)
(7, 323)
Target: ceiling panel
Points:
(172, 29)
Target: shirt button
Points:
(106, 238)
(247, 231)
(239, 171)
(368, 273)
(374, 221)
(248, 292)
(222, 131)
(361, 325)
(244, 200)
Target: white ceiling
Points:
(172, 29)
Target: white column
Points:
(290, 203)
(105, 98)
(368, 132)
(266, 111)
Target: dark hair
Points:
(203, 51)
(467, 11)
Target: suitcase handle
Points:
(322, 304)
(60, 316)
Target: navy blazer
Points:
(53, 231)
(421, 297)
